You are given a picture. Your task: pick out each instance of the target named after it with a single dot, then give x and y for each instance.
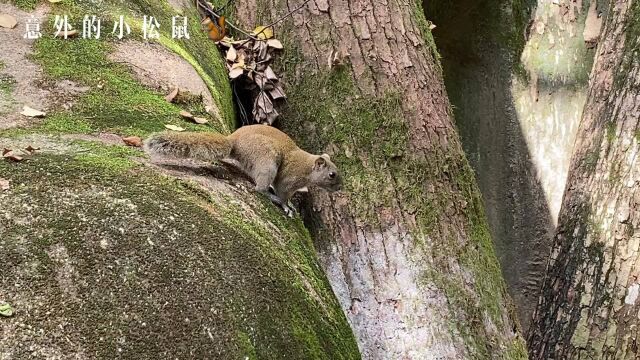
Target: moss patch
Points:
(126, 257)
(25, 4)
(107, 158)
(132, 108)
(7, 85)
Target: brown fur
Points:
(266, 154)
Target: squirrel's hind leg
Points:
(263, 179)
(278, 201)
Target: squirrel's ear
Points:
(326, 157)
(320, 162)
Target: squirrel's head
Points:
(325, 174)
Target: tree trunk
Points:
(406, 245)
(588, 306)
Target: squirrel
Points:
(267, 155)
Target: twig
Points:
(216, 16)
(277, 21)
(243, 111)
(284, 16)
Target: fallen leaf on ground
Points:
(6, 310)
(261, 80)
(31, 149)
(4, 184)
(70, 34)
(199, 120)
(274, 43)
(172, 95)
(174, 127)
(263, 32)
(432, 26)
(5, 151)
(55, 1)
(30, 112)
(186, 115)
(133, 141)
(11, 155)
(8, 21)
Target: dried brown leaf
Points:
(31, 149)
(239, 62)
(260, 80)
(30, 112)
(200, 120)
(174, 127)
(5, 151)
(263, 102)
(260, 51)
(234, 73)
(277, 92)
(172, 95)
(134, 141)
(232, 55)
(272, 116)
(186, 115)
(11, 155)
(5, 184)
(268, 72)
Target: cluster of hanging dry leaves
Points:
(250, 59)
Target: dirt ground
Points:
(17, 73)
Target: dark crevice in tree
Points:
(480, 43)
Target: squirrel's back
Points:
(279, 139)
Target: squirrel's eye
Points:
(332, 175)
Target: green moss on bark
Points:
(368, 140)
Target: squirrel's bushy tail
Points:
(204, 146)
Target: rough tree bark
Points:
(588, 307)
(406, 246)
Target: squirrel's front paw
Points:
(288, 210)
